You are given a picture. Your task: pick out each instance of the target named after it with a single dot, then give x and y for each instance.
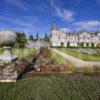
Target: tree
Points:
(46, 37)
(68, 44)
(92, 45)
(31, 38)
(37, 36)
(21, 39)
(62, 44)
(81, 45)
(87, 44)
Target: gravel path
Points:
(76, 61)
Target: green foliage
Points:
(46, 38)
(68, 45)
(21, 39)
(81, 45)
(37, 36)
(31, 37)
(54, 87)
(62, 44)
(92, 45)
(87, 44)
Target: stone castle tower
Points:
(57, 37)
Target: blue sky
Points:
(32, 16)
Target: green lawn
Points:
(58, 59)
(53, 87)
(86, 57)
(1, 51)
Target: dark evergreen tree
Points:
(46, 37)
(68, 44)
(37, 36)
(31, 38)
(92, 45)
(21, 39)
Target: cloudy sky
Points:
(32, 16)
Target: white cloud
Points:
(27, 24)
(64, 14)
(65, 29)
(18, 3)
(41, 7)
(87, 24)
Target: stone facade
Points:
(59, 38)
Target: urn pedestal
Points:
(8, 72)
(7, 55)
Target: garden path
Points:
(76, 61)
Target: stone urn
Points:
(7, 40)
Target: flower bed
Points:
(45, 63)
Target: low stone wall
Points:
(8, 73)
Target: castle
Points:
(59, 38)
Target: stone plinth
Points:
(7, 56)
(8, 73)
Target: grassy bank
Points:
(60, 60)
(20, 52)
(54, 87)
(23, 52)
(83, 56)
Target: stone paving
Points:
(76, 61)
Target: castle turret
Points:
(55, 35)
(54, 29)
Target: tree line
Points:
(22, 38)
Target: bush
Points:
(62, 44)
(92, 45)
(81, 45)
(21, 39)
(87, 44)
(68, 45)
